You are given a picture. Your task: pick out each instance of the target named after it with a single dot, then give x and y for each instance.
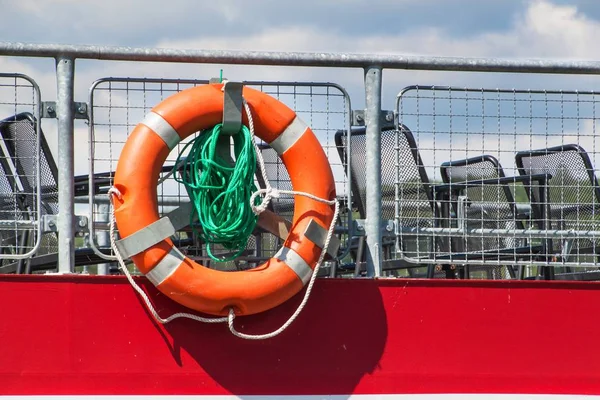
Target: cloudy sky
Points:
(492, 28)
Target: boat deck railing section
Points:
(453, 182)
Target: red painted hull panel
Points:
(92, 335)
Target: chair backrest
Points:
(12, 198)
(573, 190)
(19, 135)
(416, 206)
(490, 206)
(18, 161)
(414, 189)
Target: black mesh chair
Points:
(573, 200)
(487, 205)
(417, 208)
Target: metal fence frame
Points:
(529, 233)
(35, 225)
(93, 198)
(373, 65)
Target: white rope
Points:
(269, 192)
(114, 191)
(308, 288)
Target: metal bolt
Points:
(389, 227)
(360, 227)
(82, 109)
(389, 117)
(359, 118)
(82, 223)
(50, 110)
(51, 224)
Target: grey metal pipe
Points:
(502, 233)
(65, 78)
(301, 59)
(103, 199)
(501, 263)
(17, 224)
(373, 169)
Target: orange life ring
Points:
(182, 279)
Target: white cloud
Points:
(544, 29)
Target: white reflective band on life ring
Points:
(162, 128)
(296, 263)
(165, 267)
(147, 237)
(289, 136)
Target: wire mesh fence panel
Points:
(27, 178)
(119, 104)
(495, 183)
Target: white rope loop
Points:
(308, 288)
(269, 192)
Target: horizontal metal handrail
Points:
(306, 59)
(508, 233)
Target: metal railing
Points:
(373, 66)
(506, 176)
(117, 105)
(21, 206)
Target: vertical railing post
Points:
(373, 76)
(65, 78)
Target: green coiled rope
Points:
(220, 192)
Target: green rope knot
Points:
(220, 191)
